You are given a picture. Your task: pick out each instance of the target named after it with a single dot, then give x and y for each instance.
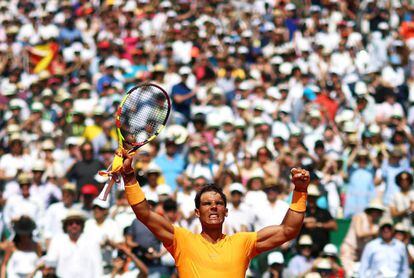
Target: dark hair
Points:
(399, 177)
(169, 205)
(209, 188)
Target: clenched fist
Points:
(300, 179)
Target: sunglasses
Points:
(71, 222)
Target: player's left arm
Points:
(273, 236)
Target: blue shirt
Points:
(379, 256)
(104, 79)
(171, 167)
(389, 173)
(299, 265)
(183, 107)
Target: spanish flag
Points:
(41, 56)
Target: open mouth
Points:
(214, 216)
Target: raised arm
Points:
(273, 236)
(157, 224)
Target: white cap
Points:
(361, 88)
(111, 62)
(330, 249)
(184, 70)
(314, 113)
(240, 123)
(383, 26)
(164, 189)
(15, 103)
(349, 127)
(243, 104)
(165, 4)
(237, 187)
(9, 90)
(273, 92)
(275, 258)
(73, 140)
(324, 264)
(39, 165)
(37, 106)
(276, 60)
(374, 129)
(286, 68)
(246, 85)
(305, 240)
(397, 113)
(153, 168)
(257, 173)
(313, 190)
(101, 203)
(48, 145)
(217, 91)
(290, 7)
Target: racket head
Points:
(142, 115)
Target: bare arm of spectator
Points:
(352, 157)
(182, 98)
(143, 269)
(360, 230)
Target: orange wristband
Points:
(134, 194)
(299, 201)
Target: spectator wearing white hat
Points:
(240, 217)
(23, 203)
(15, 160)
(104, 230)
(75, 253)
(276, 264)
(318, 222)
(363, 228)
(273, 210)
(361, 183)
(302, 261)
(330, 252)
(153, 172)
(201, 163)
(255, 185)
(55, 213)
(43, 188)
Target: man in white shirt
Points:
(23, 203)
(104, 230)
(239, 218)
(76, 254)
(272, 212)
(58, 211)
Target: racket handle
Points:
(106, 190)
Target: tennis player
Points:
(212, 253)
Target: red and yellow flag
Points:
(41, 56)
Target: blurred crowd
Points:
(257, 87)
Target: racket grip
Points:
(106, 190)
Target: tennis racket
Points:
(140, 117)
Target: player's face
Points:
(212, 211)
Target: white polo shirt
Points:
(81, 259)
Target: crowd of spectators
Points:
(257, 87)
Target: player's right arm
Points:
(157, 224)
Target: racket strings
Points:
(143, 114)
